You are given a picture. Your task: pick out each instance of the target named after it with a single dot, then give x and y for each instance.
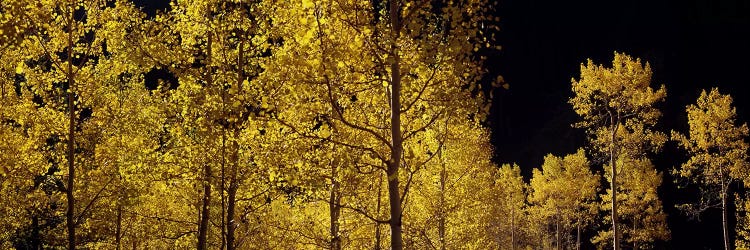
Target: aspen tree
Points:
(416, 69)
(718, 152)
(614, 99)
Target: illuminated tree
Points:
(334, 197)
(718, 152)
(506, 219)
(614, 99)
(65, 74)
(327, 108)
(641, 215)
(451, 196)
(565, 191)
(417, 70)
(221, 125)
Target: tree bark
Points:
(512, 225)
(441, 219)
(231, 207)
(207, 173)
(557, 230)
(397, 147)
(233, 181)
(578, 235)
(69, 214)
(118, 229)
(616, 237)
(724, 215)
(395, 206)
(232, 197)
(120, 195)
(334, 208)
(203, 225)
(377, 224)
(36, 241)
(223, 184)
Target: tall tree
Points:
(29, 192)
(505, 217)
(214, 49)
(418, 69)
(641, 214)
(608, 99)
(443, 211)
(64, 73)
(718, 152)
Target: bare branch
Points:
(421, 91)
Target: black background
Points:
(691, 45)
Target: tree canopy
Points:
(253, 124)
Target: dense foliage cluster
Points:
(334, 124)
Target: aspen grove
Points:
(330, 124)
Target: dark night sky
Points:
(691, 45)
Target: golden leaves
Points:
(620, 96)
(565, 186)
(716, 142)
(638, 202)
(274, 116)
(623, 89)
(618, 109)
(19, 68)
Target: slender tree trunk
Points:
(395, 205)
(441, 219)
(377, 224)
(120, 197)
(612, 160)
(334, 208)
(397, 147)
(70, 216)
(223, 177)
(234, 185)
(578, 235)
(203, 225)
(724, 215)
(232, 196)
(118, 229)
(71, 172)
(231, 208)
(36, 241)
(207, 172)
(512, 225)
(557, 231)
